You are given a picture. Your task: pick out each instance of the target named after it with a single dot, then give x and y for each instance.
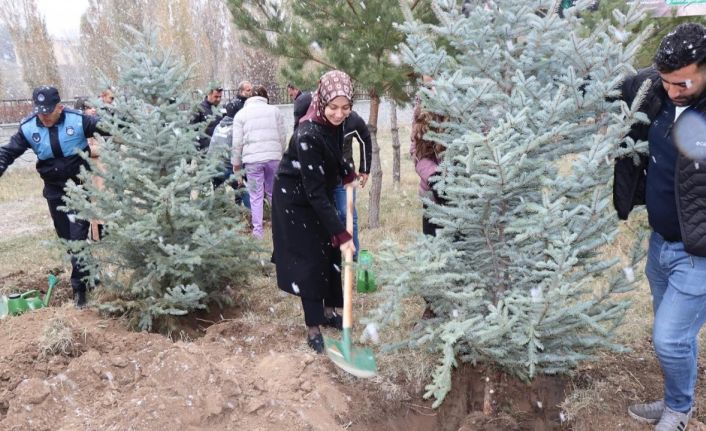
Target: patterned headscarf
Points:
(331, 85)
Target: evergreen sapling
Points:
(172, 244)
(518, 276)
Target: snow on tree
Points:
(518, 276)
(172, 243)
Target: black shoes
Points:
(80, 299)
(316, 343)
(335, 321)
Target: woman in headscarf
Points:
(307, 234)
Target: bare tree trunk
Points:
(375, 168)
(395, 145)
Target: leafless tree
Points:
(33, 46)
(103, 26)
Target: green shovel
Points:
(357, 361)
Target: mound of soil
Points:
(237, 376)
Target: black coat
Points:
(690, 182)
(355, 127)
(235, 105)
(204, 114)
(304, 218)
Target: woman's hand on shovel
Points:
(348, 245)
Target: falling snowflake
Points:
(314, 46)
(295, 288)
(536, 294)
(629, 273)
(296, 164)
(371, 332)
(284, 190)
(304, 146)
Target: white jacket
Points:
(258, 133)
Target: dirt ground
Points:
(232, 373)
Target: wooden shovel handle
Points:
(348, 266)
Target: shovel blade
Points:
(359, 362)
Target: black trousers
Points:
(70, 229)
(314, 309)
(428, 228)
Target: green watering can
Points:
(364, 274)
(18, 303)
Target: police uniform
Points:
(58, 160)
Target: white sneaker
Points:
(673, 421)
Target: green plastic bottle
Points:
(364, 274)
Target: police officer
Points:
(56, 135)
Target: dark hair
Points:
(291, 86)
(681, 47)
(261, 91)
(82, 104)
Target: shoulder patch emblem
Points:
(70, 131)
(36, 137)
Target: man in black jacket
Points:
(57, 136)
(301, 101)
(674, 189)
(205, 113)
(236, 104)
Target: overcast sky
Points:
(62, 17)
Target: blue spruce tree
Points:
(518, 276)
(172, 244)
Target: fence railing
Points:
(12, 111)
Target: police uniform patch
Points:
(70, 131)
(36, 137)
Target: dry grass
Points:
(19, 184)
(32, 250)
(57, 338)
(582, 402)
